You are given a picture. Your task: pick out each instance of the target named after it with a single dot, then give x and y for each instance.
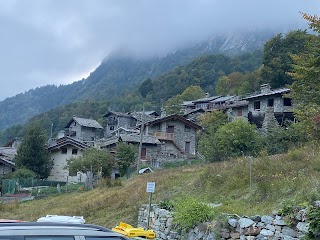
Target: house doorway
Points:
(143, 153)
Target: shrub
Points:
(166, 204)
(314, 222)
(23, 173)
(190, 211)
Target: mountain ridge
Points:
(116, 74)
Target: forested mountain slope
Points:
(119, 73)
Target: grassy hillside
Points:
(280, 180)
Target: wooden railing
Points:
(164, 135)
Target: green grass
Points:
(279, 180)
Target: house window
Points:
(74, 151)
(158, 127)
(170, 129)
(143, 154)
(239, 112)
(256, 105)
(270, 102)
(187, 128)
(75, 123)
(287, 102)
(64, 150)
(187, 147)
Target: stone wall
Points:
(235, 227)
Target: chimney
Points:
(265, 88)
(163, 112)
(207, 95)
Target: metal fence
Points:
(15, 185)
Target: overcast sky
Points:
(60, 41)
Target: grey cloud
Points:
(56, 41)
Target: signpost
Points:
(151, 187)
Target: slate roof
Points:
(7, 155)
(222, 99)
(268, 93)
(8, 152)
(67, 141)
(241, 103)
(135, 115)
(150, 113)
(117, 114)
(135, 138)
(175, 117)
(85, 123)
(126, 130)
(130, 138)
(205, 99)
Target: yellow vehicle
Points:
(129, 231)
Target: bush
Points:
(166, 204)
(23, 173)
(190, 211)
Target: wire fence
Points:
(36, 186)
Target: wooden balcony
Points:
(164, 135)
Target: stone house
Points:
(84, 130)
(116, 120)
(7, 164)
(201, 103)
(150, 146)
(60, 150)
(177, 135)
(267, 98)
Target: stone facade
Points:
(116, 120)
(177, 134)
(264, 227)
(85, 130)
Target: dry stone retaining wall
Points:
(243, 228)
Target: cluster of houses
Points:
(163, 138)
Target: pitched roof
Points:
(7, 156)
(8, 152)
(267, 93)
(116, 113)
(135, 138)
(205, 99)
(7, 162)
(150, 113)
(135, 115)
(175, 117)
(132, 130)
(67, 141)
(85, 122)
(222, 99)
(130, 138)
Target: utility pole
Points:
(141, 138)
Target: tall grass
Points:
(276, 180)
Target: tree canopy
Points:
(92, 160)
(125, 156)
(32, 153)
(277, 59)
(305, 89)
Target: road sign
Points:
(151, 186)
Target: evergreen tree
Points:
(32, 153)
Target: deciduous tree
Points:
(92, 160)
(125, 156)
